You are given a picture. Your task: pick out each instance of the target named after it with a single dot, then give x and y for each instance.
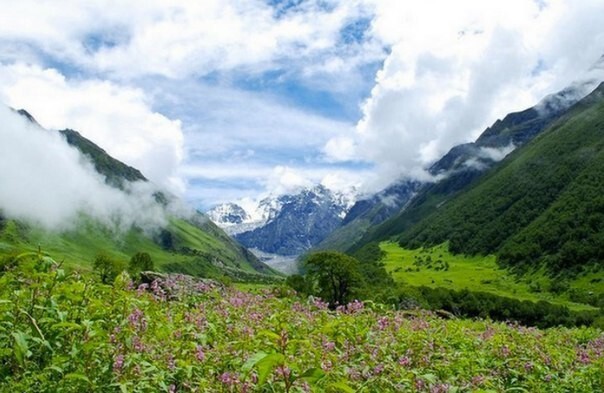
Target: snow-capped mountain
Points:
(286, 224)
(235, 218)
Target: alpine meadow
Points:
(302, 196)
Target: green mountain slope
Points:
(460, 167)
(541, 205)
(192, 245)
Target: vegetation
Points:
(542, 205)
(67, 333)
(438, 267)
(194, 247)
(107, 268)
(140, 262)
(337, 276)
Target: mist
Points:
(45, 181)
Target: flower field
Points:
(67, 333)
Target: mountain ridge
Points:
(191, 244)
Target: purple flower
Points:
(383, 323)
(171, 362)
(229, 379)
(440, 388)
(328, 346)
(583, 357)
(404, 361)
(200, 354)
(137, 320)
(505, 351)
(283, 371)
(478, 380)
(118, 364)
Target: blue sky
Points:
(227, 99)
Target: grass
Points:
(78, 247)
(437, 267)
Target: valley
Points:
(302, 196)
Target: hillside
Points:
(540, 205)
(368, 212)
(457, 169)
(189, 243)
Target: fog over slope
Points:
(47, 182)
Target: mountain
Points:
(541, 206)
(234, 219)
(188, 243)
(466, 163)
(455, 170)
(368, 212)
(287, 225)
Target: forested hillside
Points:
(541, 204)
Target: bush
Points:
(140, 262)
(107, 268)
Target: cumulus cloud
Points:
(117, 118)
(178, 38)
(443, 77)
(47, 182)
(451, 73)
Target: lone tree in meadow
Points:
(140, 262)
(336, 275)
(107, 268)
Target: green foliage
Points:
(140, 262)
(541, 206)
(337, 276)
(196, 248)
(66, 333)
(483, 274)
(300, 284)
(470, 304)
(107, 268)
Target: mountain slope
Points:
(300, 222)
(541, 204)
(189, 243)
(370, 211)
(465, 164)
(457, 169)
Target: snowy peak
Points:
(285, 224)
(228, 214)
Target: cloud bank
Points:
(47, 182)
(251, 86)
(116, 117)
(451, 73)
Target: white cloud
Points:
(451, 73)
(177, 38)
(117, 118)
(47, 182)
(451, 69)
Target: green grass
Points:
(477, 273)
(197, 251)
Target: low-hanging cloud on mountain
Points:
(452, 73)
(45, 181)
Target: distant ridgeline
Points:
(191, 244)
(457, 170)
(542, 205)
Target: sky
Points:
(218, 100)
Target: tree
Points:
(337, 276)
(107, 268)
(141, 261)
(300, 284)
